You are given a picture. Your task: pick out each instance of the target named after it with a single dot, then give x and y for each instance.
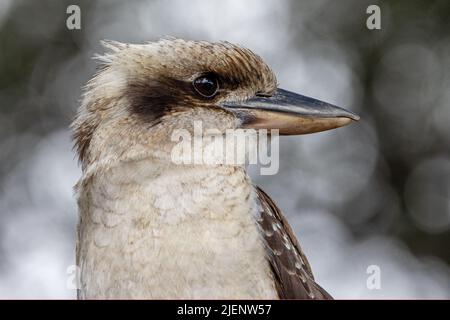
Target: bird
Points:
(150, 228)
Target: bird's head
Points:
(142, 93)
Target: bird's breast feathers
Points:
(178, 233)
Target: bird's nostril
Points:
(263, 94)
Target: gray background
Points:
(373, 193)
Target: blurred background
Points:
(373, 193)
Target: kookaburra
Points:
(152, 228)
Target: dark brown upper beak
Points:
(289, 112)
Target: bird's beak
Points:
(289, 112)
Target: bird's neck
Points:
(149, 229)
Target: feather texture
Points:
(292, 272)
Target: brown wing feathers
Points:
(292, 273)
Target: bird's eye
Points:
(206, 86)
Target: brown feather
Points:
(291, 271)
